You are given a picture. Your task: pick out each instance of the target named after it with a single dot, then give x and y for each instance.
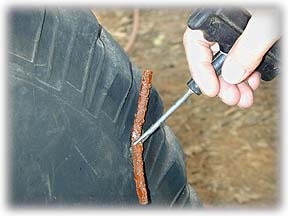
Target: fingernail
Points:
(232, 71)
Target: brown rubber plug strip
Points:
(137, 150)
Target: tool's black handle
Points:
(217, 63)
(224, 25)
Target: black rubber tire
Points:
(72, 98)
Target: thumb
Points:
(246, 54)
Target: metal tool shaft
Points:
(217, 63)
(154, 127)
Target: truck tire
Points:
(72, 97)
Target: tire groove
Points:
(88, 65)
(52, 48)
(68, 55)
(123, 101)
(89, 93)
(156, 158)
(38, 36)
(181, 190)
(127, 106)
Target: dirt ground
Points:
(232, 153)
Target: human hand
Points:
(239, 79)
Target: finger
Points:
(229, 93)
(254, 80)
(246, 95)
(199, 57)
(259, 35)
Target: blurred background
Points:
(231, 153)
